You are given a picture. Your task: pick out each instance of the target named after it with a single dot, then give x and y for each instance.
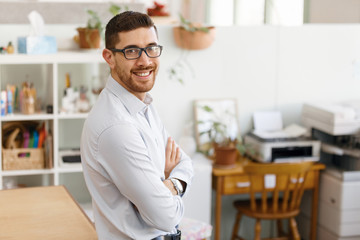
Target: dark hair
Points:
(125, 22)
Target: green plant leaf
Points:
(91, 12)
(183, 20)
(207, 108)
(94, 20)
(114, 9)
(189, 26)
(203, 29)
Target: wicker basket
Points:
(22, 158)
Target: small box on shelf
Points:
(23, 158)
(37, 45)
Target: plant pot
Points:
(225, 157)
(193, 40)
(89, 38)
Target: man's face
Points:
(137, 75)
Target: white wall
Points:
(264, 68)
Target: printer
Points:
(283, 149)
(337, 126)
(270, 142)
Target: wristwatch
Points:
(178, 186)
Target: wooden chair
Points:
(281, 187)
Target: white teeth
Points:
(143, 74)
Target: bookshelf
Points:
(47, 73)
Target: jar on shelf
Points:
(29, 105)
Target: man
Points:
(134, 171)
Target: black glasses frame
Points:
(141, 50)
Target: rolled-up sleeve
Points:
(124, 155)
(184, 170)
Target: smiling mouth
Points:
(143, 74)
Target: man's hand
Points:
(168, 183)
(172, 156)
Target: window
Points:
(255, 12)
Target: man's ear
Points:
(109, 57)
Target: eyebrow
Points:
(136, 46)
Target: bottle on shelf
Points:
(10, 48)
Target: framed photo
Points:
(216, 120)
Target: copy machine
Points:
(270, 142)
(337, 126)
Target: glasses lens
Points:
(153, 51)
(132, 53)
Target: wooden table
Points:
(43, 213)
(235, 181)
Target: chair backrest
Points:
(273, 180)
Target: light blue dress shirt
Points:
(123, 156)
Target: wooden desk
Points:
(235, 181)
(42, 213)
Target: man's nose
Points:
(143, 59)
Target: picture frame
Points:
(215, 121)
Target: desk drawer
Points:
(239, 184)
(236, 184)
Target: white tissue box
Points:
(37, 45)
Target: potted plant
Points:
(157, 10)
(189, 36)
(90, 36)
(224, 146)
(193, 36)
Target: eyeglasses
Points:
(134, 52)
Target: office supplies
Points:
(36, 139)
(9, 102)
(26, 136)
(31, 140)
(267, 121)
(41, 138)
(49, 150)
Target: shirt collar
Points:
(130, 101)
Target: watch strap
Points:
(176, 185)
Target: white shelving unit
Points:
(47, 72)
